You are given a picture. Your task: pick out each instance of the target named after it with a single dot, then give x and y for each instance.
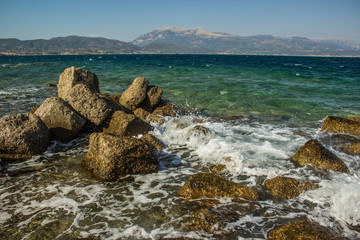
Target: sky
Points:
(125, 20)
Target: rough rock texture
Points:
(341, 125)
(198, 131)
(166, 108)
(125, 124)
(208, 185)
(110, 157)
(153, 141)
(63, 122)
(72, 76)
(316, 155)
(285, 187)
(89, 104)
(22, 135)
(148, 117)
(302, 229)
(135, 94)
(352, 149)
(153, 97)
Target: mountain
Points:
(71, 44)
(259, 44)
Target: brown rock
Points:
(111, 157)
(148, 117)
(198, 131)
(22, 135)
(356, 119)
(73, 76)
(125, 124)
(316, 155)
(285, 187)
(153, 141)
(89, 104)
(352, 149)
(341, 125)
(208, 185)
(153, 97)
(63, 122)
(302, 229)
(166, 108)
(135, 94)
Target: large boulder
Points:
(124, 124)
(148, 117)
(153, 97)
(208, 185)
(89, 104)
(22, 135)
(341, 125)
(285, 187)
(166, 108)
(152, 140)
(316, 155)
(135, 94)
(111, 157)
(302, 229)
(73, 76)
(61, 119)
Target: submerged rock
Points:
(63, 122)
(341, 125)
(316, 155)
(208, 185)
(166, 108)
(303, 229)
(147, 116)
(125, 124)
(111, 157)
(22, 135)
(135, 94)
(89, 104)
(286, 187)
(73, 76)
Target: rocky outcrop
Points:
(316, 155)
(110, 157)
(73, 76)
(63, 122)
(341, 125)
(148, 117)
(150, 139)
(166, 108)
(302, 229)
(89, 104)
(207, 185)
(135, 94)
(22, 135)
(153, 97)
(124, 124)
(285, 187)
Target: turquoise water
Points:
(258, 109)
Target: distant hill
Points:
(260, 44)
(71, 44)
(177, 40)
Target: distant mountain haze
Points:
(178, 40)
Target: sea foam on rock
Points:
(22, 135)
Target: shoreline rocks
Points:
(342, 125)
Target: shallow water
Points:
(259, 111)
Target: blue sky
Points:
(127, 19)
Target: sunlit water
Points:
(259, 111)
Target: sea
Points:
(259, 111)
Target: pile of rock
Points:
(116, 119)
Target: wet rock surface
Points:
(341, 125)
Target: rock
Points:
(341, 125)
(22, 135)
(135, 94)
(124, 124)
(153, 141)
(198, 131)
(352, 149)
(148, 117)
(303, 229)
(285, 187)
(51, 85)
(111, 157)
(316, 155)
(63, 122)
(208, 185)
(73, 76)
(153, 97)
(113, 102)
(218, 169)
(356, 119)
(89, 104)
(166, 108)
